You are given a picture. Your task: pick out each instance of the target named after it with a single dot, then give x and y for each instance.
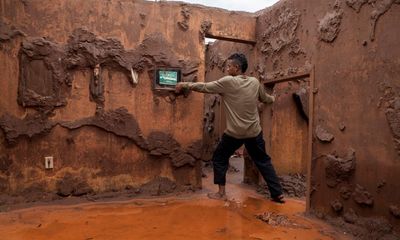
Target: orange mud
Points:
(189, 216)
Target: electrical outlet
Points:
(48, 162)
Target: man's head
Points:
(236, 64)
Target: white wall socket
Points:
(48, 162)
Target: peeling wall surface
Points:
(78, 85)
(354, 46)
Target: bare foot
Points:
(279, 199)
(217, 196)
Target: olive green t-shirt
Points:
(240, 96)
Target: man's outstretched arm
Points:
(219, 86)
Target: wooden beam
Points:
(310, 137)
(231, 39)
(286, 79)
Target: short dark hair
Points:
(241, 60)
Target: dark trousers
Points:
(256, 149)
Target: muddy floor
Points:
(247, 215)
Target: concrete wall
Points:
(354, 48)
(105, 131)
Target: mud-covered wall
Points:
(353, 45)
(77, 81)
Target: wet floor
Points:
(184, 217)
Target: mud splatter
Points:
(42, 74)
(184, 24)
(364, 228)
(380, 7)
(5, 163)
(158, 186)
(329, 26)
(356, 4)
(293, 185)
(323, 135)
(118, 121)
(8, 32)
(350, 216)
(4, 184)
(204, 29)
(345, 192)
(160, 143)
(362, 197)
(393, 118)
(72, 185)
(46, 67)
(395, 211)
(277, 219)
(337, 206)
(32, 125)
(163, 144)
(281, 32)
(338, 169)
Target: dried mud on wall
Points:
(85, 96)
(47, 71)
(353, 46)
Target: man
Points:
(240, 95)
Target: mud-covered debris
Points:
(323, 135)
(342, 126)
(161, 143)
(329, 26)
(395, 211)
(159, 186)
(345, 192)
(277, 219)
(32, 125)
(337, 206)
(338, 169)
(8, 32)
(184, 24)
(362, 197)
(72, 185)
(118, 121)
(350, 216)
